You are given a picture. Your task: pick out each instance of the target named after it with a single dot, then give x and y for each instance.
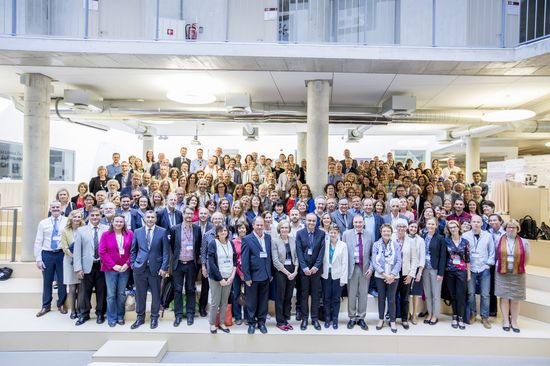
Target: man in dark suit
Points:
(169, 216)
(256, 267)
(448, 192)
(124, 178)
(176, 163)
(341, 216)
(135, 186)
(347, 155)
(185, 241)
(236, 176)
(394, 214)
(310, 249)
(149, 256)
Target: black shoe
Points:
(515, 330)
(327, 324)
(379, 327)
(82, 320)
(100, 319)
(393, 330)
(303, 326)
(506, 328)
(213, 330)
(427, 321)
(238, 321)
(434, 323)
(121, 322)
(73, 315)
(493, 314)
(202, 312)
(362, 324)
(335, 325)
(154, 323)
(227, 330)
(298, 316)
(316, 325)
(137, 323)
(262, 328)
(422, 314)
(251, 329)
(112, 325)
(351, 324)
(177, 321)
(190, 320)
(405, 325)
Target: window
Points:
(416, 156)
(11, 162)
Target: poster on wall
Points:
(11, 160)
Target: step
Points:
(538, 278)
(21, 331)
(537, 305)
(540, 253)
(131, 351)
(22, 269)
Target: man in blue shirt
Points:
(114, 168)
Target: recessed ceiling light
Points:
(186, 97)
(508, 115)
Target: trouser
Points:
(483, 280)
(236, 307)
(357, 294)
(457, 284)
(285, 288)
(96, 279)
(404, 292)
(116, 298)
(53, 263)
(311, 285)
(331, 298)
(144, 279)
(298, 286)
(386, 293)
(432, 291)
(203, 299)
(257, 296)
(493, 303)
(185, 275)
(219, 297)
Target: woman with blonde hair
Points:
(74, 221)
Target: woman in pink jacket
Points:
(114, 252)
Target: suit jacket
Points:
(118, 177)
(95, 185)
(156, 257)
(175, 244)
(237, 177)
(128, 190)
(163, 219)
(213, 267)
(176, 163)
(317, 249)
(278, 252)
(83, 254)
(136, 220)
(108, 250)
(254, 267)
(387, 218)
(350, 238)
(340, 262)
(438, 254)
(454, 196)
(353, 163)
(338, 218)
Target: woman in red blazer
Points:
(114, 252)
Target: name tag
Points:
(189, 246)
(288, 262)
(475, 255)
(510, 259)
(56, 238)
(121, 252)
(428, 258)
(456, 260)
(263, 255)
(310, 252)
(227, 261)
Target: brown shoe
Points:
(486, 323)
(62, 309)
(42, 311)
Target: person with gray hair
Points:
(394, 214)
(169, 216)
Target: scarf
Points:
(502, 256)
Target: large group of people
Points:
(251, 231)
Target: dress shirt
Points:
(261, 240)
(482, 250)
(197, 164)
(113, 170)
(44, 233)
(370, 226)
(186, 253)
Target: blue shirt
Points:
(112, 170)
(197, 164)
(370, 226)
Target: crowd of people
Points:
(251, 231)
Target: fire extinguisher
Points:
(191, 31)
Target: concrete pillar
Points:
(318, 100)
(148, 144)
(36, 158)
(472, 157)
(302, 147)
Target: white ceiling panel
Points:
(292, 84)
(360, 89)
(259, 84)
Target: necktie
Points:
(310, 239)
(360, 240)
(54, 242)
(149, 238)
(96, 244)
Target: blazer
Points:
(176, 163)
(454, 196)
(318, 249)
(278, 252)
(128, 190)
(213, 268)
(108, 250)
(438, 253)
(163, 219)
(175, 244)
(95, 185)
(83, 254)
(350, 238)
(338, 218)
(136, 220)
(387, 218)
(410, 256)
(254, 267)
(340, 260)
(237, 177)
(378, 259)
(156, 257)
(353, 163)
(118, 177)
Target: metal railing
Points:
(8, 232)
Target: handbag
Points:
(130, 303)
(5, 273)
(241, 299)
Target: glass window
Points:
(416, 156)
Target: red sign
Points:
(170, 32)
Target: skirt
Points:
(510, 286)
(417, 287)
(69, 277)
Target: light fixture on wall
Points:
(508, 115)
